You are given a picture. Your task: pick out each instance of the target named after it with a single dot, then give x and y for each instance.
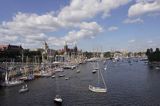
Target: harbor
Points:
(134, 84)
(79, 53)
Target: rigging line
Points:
(103, 79)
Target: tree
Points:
(153, 56)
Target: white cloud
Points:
(112, 28)
(31, 28)
(81, 9)
(144, 7)
(131, 21)
(150, 41)
(131, 41)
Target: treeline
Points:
(153, 56)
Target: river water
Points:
(133, 84)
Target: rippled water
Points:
(134, 84)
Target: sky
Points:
(106, 25)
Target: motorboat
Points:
(53, 76)
(62, 75)
(27, 78)
(94, 71)
(66, 78)
(58, 99)
(24, 89)
(78, 71)
(59, 70)
(46, 73)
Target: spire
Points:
(45, 45)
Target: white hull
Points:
(66, 78)
(27, 78)
(59, 100)
(46, 74)
(11, 83)
(94, 71)
(59, 70)
(78, 71)
(97, 89)
(53, 76)
(23, 90)
(62, 75)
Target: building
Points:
(13, 48)
(8, 52)
(70, 51)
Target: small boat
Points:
(69, 67)
(58, 99)
(94, 71)
(59, 70)
(66, 78)
(27, 78)
(62, 75)
(24, 89)
(53, 76)
(78, 71)
(105, 68)
(46, 74)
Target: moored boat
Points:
(58, 99)
(24, 89)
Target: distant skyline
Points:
(132, 25)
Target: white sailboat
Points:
(98, 89)
(58, 98)
(8, 83)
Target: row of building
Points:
(10, 51)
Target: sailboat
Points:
(28, 74)
(8, 83)
(98, 89)
(58, 98)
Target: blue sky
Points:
(131, 25)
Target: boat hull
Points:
(11, 83)
(23, 90)
(97, 89)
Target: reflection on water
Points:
(127, 84)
